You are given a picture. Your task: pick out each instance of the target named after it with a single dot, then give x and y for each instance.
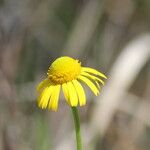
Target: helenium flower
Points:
(67, 73)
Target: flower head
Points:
(66, 73)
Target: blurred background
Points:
(112, 36)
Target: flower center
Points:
(64, 69)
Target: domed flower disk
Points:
(67, 73)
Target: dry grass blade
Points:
(84, 28)
(123, 73)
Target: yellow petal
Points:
(44, 97)
(80, 92)
(66, 92)
(93, 71)
(90, 84)
(92, 77)
(43, 84)
(53, 103)
(72, 94)
(97, 84)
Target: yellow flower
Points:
(67, 73)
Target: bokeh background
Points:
(112, 36)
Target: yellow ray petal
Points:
(90, 84)
(80, 92)
(44, 97)
(43, 84)
(92, 77)
(53, 103)
(72, 94)
(97, 84)
(93, 71)
(66, 92)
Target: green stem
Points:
(77, 127)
